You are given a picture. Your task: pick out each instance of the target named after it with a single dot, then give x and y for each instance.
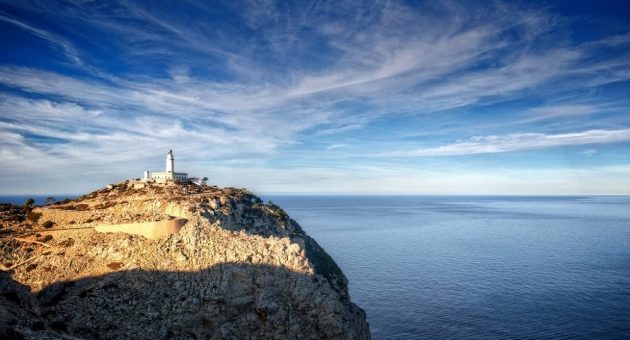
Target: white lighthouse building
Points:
(170, 162)
(169, 174)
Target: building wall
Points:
(169, 176)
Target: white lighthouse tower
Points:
(169, 174)
(170, 162)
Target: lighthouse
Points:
(169, 174)
(170, 162)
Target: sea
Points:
(477, 267)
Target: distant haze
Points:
(358, 97)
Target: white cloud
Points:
(275, 90)
(396, 179)
(517, 142)
(555, 111)
(66, 47)
(336, 146)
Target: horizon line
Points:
(76, 195)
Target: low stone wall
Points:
(150, 230)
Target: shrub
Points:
(29, 202)
(28, 205)
(105, 205)
(79, 207)
(45, 238)
(33, 216)
(47, 224)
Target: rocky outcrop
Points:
(150, 230)
(239, 268)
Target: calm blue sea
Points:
(479, 267)
(39, 199)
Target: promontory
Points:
(171, 260)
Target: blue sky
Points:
(382, 97)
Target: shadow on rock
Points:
(226, 301)
(243, 211)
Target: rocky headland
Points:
(199, 262)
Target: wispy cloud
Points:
(336, 146)
(253, 83)
(555, 111)
(452, 180)
(63, 44)
(589, 152)
(517, 142)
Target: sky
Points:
(311, 97)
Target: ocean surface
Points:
(468, 267)
(39, 199)
(479, 267)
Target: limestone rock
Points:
(239, 268)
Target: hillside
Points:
(238, 268)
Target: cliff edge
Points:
(199, 262)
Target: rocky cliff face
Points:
(239, 268)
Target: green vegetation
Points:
(324, 264)
(33, 216)
(29, 203)
(277, 212)
(11, 212)
(45, 238)
(105, 205)
(79, 207)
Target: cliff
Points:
(228, 266)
